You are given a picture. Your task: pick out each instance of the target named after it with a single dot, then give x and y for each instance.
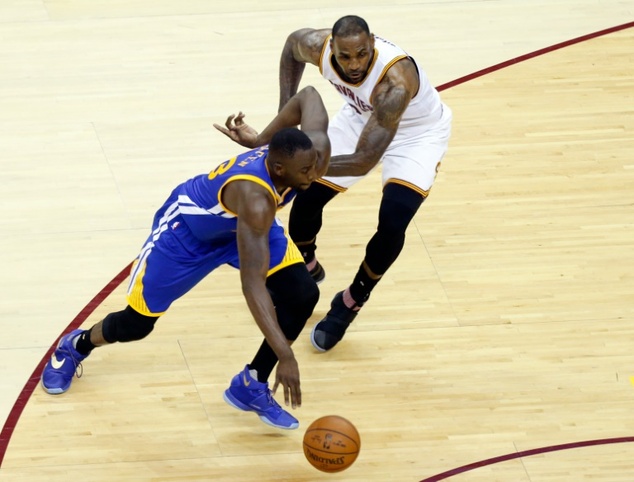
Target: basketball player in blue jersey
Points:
(228, 217)
(391, 115)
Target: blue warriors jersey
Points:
(194, 233)
(200, 198)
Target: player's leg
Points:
(409, 170)
(294, 294)
(158, 277)
(306, 214)
(305, 222)
(398, 206)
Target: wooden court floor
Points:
(497, 348)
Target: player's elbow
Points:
(293, 42)
(309, 94)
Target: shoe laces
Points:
(272, 402)
(79, 369)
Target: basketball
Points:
(331, 443)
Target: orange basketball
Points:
(331, 443)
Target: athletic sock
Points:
(83, 344)
(349, 301)
(311, 264)
(361, 288)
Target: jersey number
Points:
(222, 168)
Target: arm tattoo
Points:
(389, 105)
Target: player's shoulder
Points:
(314, 36)
(398, 62)
(385, 42)
(389, 49)
(312, 41)
(310, 44)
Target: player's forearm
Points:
(291, 72)
(263, 311)
(292, 113)
(371, 146)
(350, 165)
(255, 217)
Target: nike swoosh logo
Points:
(57, 364)
(245, 381)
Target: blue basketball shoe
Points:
(248, 394)
(63, 365)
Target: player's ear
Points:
(279, 169)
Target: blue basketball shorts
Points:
(172, 260)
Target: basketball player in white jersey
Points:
(391, 115)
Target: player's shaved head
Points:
(350, 25)
(286, 142)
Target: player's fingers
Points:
(297, 396)
(229, 120)
(288, 396)
(239, 120)
(222, 129)
(275, 385)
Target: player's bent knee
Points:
(399, 204)
(127, 325)
(305, 293)
(293, 284)
(295, 295)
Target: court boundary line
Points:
(32, 382)
(34, 379)
(526, 453)
(532, 55)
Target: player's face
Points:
(301, 170)
(354, 54)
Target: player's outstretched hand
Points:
(239, 131)
(287, 375)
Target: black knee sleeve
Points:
(305, 219)
(398, 206)
(127, 325)
(295, 295)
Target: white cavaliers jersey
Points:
(425, 108)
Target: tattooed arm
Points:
(389, 99)
(302, 46)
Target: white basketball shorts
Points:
(412, 158)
